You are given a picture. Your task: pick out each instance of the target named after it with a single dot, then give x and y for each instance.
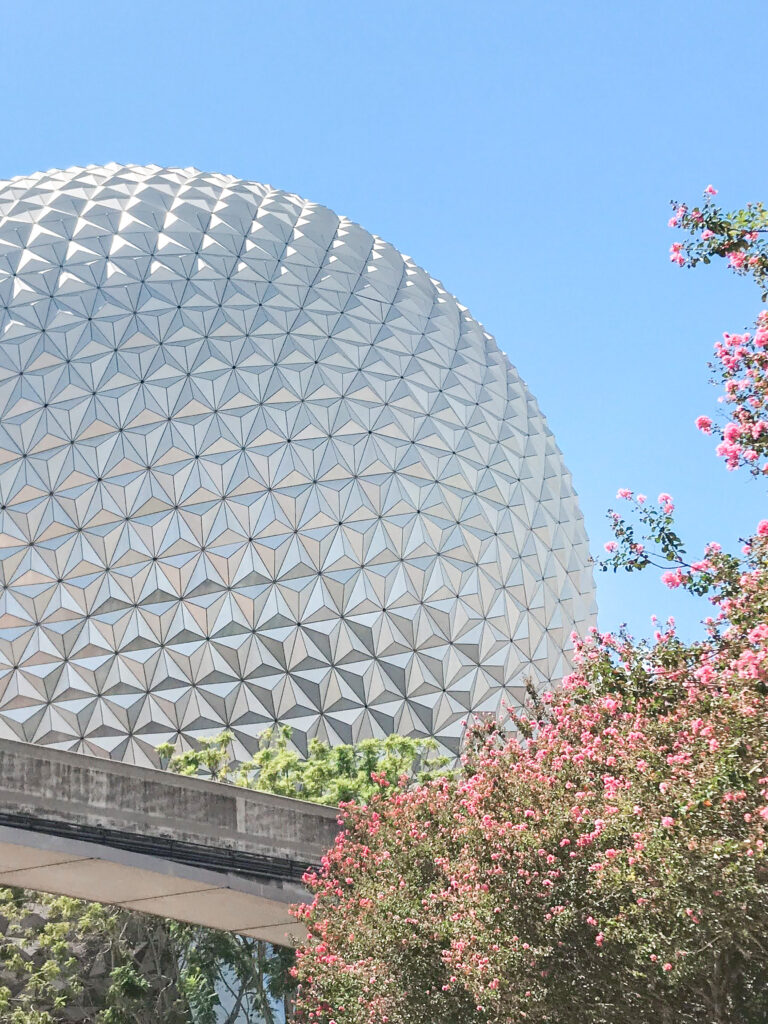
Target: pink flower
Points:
(641, 499)
(704, 424)
(667, 822)
(665, 500)
(624, 492)
(610, 546)
(599, 938)
(706, 234)
(710, 191)
(762, 528)
(701, 566)
(736, 260)
(672, 579)
(667, 967)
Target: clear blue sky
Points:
(523, 153)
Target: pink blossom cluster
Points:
(676, 253)
(742, 360)
(682, 217)
(740, 237)
(664, 499)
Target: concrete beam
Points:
(198, 851)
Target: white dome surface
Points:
(257, 466)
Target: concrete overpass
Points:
(198, 851)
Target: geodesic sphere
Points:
(257, 466)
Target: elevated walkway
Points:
(204, 852)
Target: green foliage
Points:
(214, 963)
(64, 959)
(328, 775)
(210, 758)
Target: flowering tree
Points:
(605, 863)
(604, 860)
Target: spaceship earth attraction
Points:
(257, 466)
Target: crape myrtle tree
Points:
(64, 959)
(600, 858)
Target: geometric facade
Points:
(257, 466)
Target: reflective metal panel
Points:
(257, 466)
